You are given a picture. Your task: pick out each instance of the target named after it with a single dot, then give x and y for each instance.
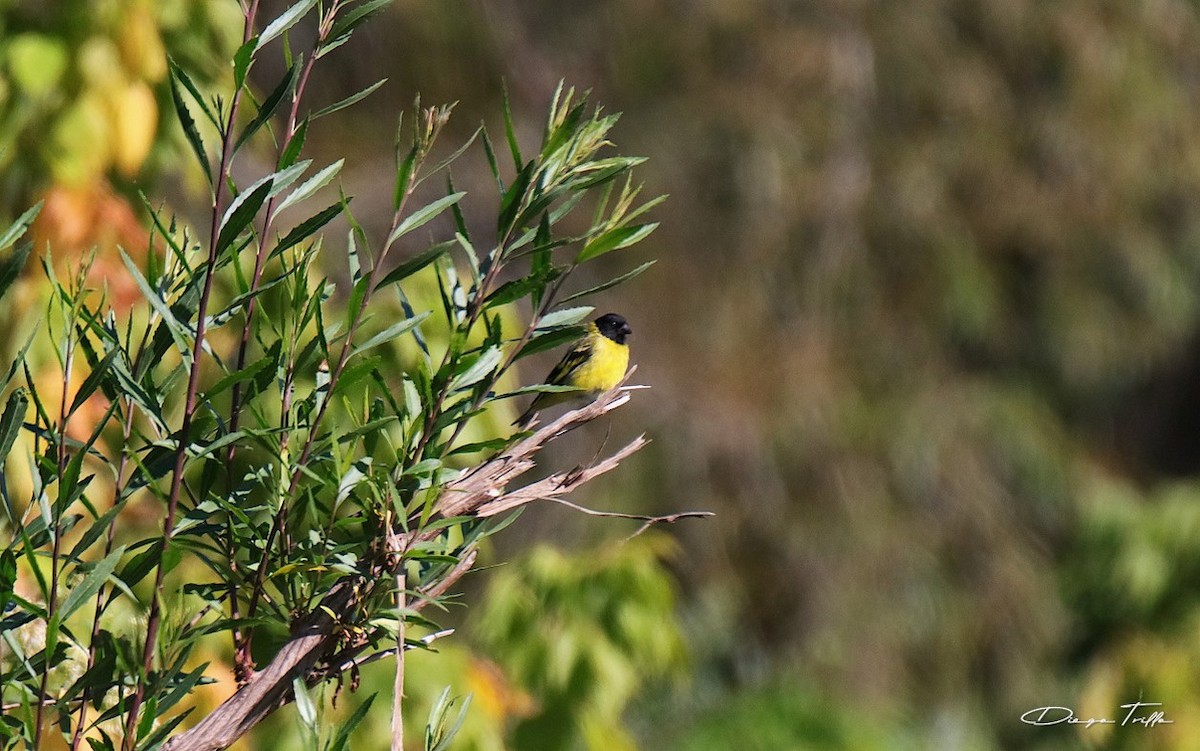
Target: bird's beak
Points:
(626, 331)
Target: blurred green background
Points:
(924, 331)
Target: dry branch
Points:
(318, 650)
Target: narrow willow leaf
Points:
(91, 383)
(404, 173)
(609, 284)
(179, 333)
(352, 19)
(245, 374)
(241, 62)
(341, 741)
(12, 265)
(286, 176)
(312, 185)
(615, 239)
(198, 450)
(194, 90)
(416, 263)
(510, 132)
(285, 21)
(603, 170)
(511, 201)
(308, 227)
(241, 212)
(13, 418)
(350, 480)
(304, 705)
(490, 153)
(518, 288)
(291, 152)
(350, 100)
(91, 584)
(564, 317)
(483, 365)
(239, 303)
(268, 107)
(422, 216)
(17, 228)
(551, 340)
(391, 332)
(189, 126)
(472, 257)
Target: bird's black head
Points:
(614, 327)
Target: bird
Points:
(594, 364)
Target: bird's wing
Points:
(561, 374)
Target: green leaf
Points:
(564, 317)
(311, 185)
(351, 20)
(92, 382)
(510, 203)
(291, 152)
(404, 173)
(603, 170)
(284, 178)
(194, 90)
(490, 152)
(424, 215)
(416, 263)
(304, 705)
(483, 365)
(551, 340)
(179, 333)
(285, 21)
(510, 133)
(342, 739)
(309, 226)
(12, 265)
(391, 332)
(17, 228)
(351, 100)
(241, 62)
(245, 374)
(609, 284)
(518, 288)
(189, 126)
(268, 107)
(241, 212)
(91, 584)
(149, 717)
(615, 239)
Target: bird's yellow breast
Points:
(605, 368)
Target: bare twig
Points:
(424, 641)
(648, 521)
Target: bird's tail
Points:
(526, 417)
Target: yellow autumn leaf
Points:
(141, 45)
(134, 114)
